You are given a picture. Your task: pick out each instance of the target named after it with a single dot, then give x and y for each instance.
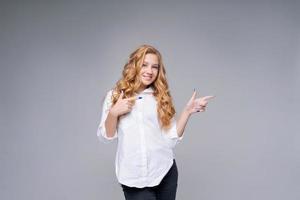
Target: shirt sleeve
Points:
(172, 133)
(101, 131)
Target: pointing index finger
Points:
(208, 97)
(132, 98)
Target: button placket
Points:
(143, 139)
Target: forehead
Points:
(151, 58)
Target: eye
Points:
(144, 65)
(155, 67)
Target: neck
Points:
(142, 88)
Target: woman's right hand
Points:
(122, 106)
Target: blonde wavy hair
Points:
(130, 83)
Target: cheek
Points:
(155, 74)
(140, 74)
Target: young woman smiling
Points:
(140, 114)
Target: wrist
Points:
(113, 113)
(186, 112)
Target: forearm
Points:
(182, 121)
(111, 124)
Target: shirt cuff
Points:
(101, 133)
(172, 132)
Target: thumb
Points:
(193, 96)
(121, 95)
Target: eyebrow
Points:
(147, 63)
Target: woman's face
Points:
(149, 70)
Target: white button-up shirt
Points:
(145, 151)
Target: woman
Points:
(139, 112)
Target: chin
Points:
(147, 83)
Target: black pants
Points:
(166, 190)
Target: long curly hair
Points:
(130, 83)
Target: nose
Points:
(149, 70)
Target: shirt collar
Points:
(148, 90)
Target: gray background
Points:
(59, 58)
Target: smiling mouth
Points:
(147, 77)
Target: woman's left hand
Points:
(197, 105)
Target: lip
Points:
(147, 77)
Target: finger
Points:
(203, 104)
(208, 97)
(121, 95)
(193, 96)
(131, 98)
(199, 107)
(201, 110)
(129, 103)
(129, 107)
